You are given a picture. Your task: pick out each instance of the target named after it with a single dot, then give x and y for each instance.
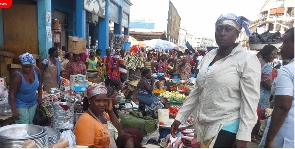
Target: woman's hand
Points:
(174, 128)
(110, 106)
(15, 114)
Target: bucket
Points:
(163, 115)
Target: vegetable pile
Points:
(174, 96)
(173, 109)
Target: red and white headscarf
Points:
(96, 89)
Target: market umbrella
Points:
(141, 44)
(159, 44)
(174, 45)
(133, 41)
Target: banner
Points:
(96, 7)
(173, 22)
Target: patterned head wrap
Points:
(92, 50)
(96, 89)
(235, 21)
(27, 58)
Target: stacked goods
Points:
(76, 45)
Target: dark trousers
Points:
(225, 139)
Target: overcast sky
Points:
(197, 16)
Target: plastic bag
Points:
(40, 117)
(69, 135)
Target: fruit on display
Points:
(158, 91)
(174, 96)
(161, 123)
(184, 88)
(173, 109)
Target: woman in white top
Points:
(226, 94)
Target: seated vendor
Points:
(161, 82)
(145, 91)
(129, 137)
(91, 128)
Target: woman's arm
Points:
(250, 76)
(114, 118)
(40, 90)
(13, 86)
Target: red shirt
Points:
(74, 68)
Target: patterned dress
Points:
(162, 67)
(185, 70)
(266, 75)
(74, 68)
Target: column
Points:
(1, 30)
(103, 31)
(44, 27)
(80, 19)
(118, 27)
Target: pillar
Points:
(44, 27)
(80, 19)
(118, 27)
(103, 30)
(1, 30)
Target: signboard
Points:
(113, 12)
(125, 20)
(173, 22)
(96, 7)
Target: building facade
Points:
(34, 26)
(29, 23)
(200, 43)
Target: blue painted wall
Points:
(44, 39)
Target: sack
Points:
(40, 117)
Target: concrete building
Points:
(200, 42)
(275, 15)
(27, 26)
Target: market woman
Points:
(22, 90)
(226, 92)
(91, 61)
(184, 68)
(51, 70)
(110, 68)
(145, 91)
(91, 128)
(268, 54)
(163, 64)
(75, 67)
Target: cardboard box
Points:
(76, 45)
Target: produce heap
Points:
(174, 96)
